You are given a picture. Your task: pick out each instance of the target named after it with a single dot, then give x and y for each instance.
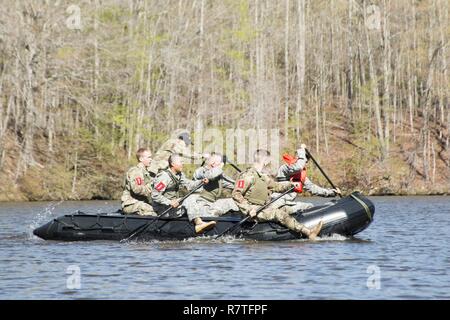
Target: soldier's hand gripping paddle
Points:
(257, 212)
(141, 229)
(308, 154)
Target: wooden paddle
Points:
(324, 174)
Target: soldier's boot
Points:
(201, 226)
(312, 233)
(296, 226)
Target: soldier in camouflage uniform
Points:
(165, 193)
(253, 189)
(215, 198)
(178, 144)
(296, 167)
(136, 195)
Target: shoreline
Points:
(434, 194)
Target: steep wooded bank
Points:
(84, 83)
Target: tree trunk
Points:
(286, 71)
(301, 51)
(375, 92)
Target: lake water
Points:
(404, 254)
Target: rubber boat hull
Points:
(347, 216)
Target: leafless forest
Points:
(365, 84)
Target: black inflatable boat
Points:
(347, 216)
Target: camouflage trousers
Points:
(217, 208)
(289, 204)
(192, 209)
(188, 206)
(282, 216)
(141, 208)
(197, 207)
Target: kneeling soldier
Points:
(136, 195)
(253, 188)
(165, 193)
(179, 143)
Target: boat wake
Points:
(338, 237)
(41, 217)
(194, 240)
(229, 239)
(334, 237)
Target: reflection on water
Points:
(404, 253)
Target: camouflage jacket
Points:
(219, 185)
(137, 185)
(287, 170)
(171, 146)
(166, 187)
(253, 188)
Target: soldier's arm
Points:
(213, 173)
(185, 151)
(243, 183)
(287, 170)
(210, 174)
(137, 183)
(159, 186)
(278, 186)
(188, 183)
(301, 155)
(199, 173)
(228, 183)
(316, 190)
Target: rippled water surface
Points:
(404, 254)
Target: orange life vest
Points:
(299, 177)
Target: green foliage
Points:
(246, 31)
